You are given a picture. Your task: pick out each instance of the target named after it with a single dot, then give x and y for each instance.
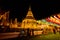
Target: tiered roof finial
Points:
(29, 13)
(30, 7)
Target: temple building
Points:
(29, 21)
(14, 24)
(4, 18)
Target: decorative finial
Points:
(29, 7)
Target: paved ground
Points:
(14, 36)
(8, 35)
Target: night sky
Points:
(19, 8)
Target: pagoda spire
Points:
(29, 8)
(29, 13)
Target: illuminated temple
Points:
(4, 18)
(29, 21)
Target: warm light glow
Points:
(29, 21)
(58, 15)
(54, 19)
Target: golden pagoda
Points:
(29, 21)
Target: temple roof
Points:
(29, 17)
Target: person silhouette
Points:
(28, 32)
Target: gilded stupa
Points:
(29, 21)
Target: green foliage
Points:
(48, 37)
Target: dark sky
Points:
(40, 9)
